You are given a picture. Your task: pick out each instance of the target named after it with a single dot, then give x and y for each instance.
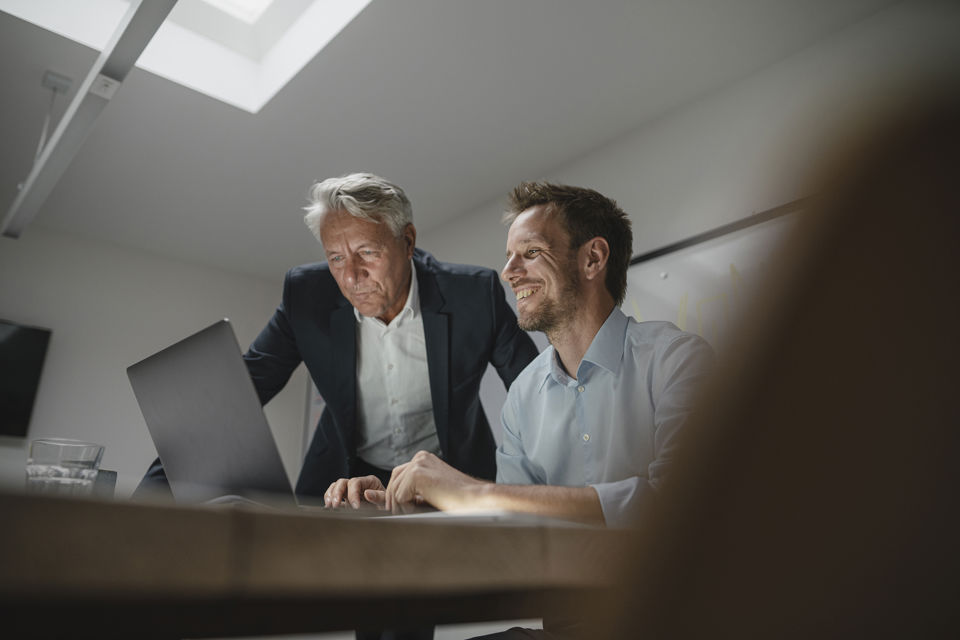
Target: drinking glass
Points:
(63, 467)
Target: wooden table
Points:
(82, 568)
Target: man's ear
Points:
(594, 255)
(409, 239)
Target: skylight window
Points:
(248, 11)
(242, 55)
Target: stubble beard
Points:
(553, 314)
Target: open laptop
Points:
(206, 421)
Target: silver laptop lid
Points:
(206, 421)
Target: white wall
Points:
(742, 149)
(109, 307)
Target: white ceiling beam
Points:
(131, 37)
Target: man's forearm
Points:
(570, 503)
(429, 478)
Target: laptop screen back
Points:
(206, 421)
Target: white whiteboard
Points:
(704, 287)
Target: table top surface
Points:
(63, 552)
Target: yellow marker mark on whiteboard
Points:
(636, 310)
(682, 314)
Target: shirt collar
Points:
(606, 350)
(412, 305)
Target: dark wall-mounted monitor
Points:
(22, 352)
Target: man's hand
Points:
(427, 478)
(353, 491)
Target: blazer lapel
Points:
(436, 332)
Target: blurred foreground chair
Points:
(818, 492)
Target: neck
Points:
(574, 338)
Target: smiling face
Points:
(371, 266)
(542, 271)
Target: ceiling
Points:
(455, 100)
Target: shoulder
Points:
(669, 350)
(657, 332)
(663, 338)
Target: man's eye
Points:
(335, 259)
(532, 252)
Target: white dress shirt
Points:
(395, 409)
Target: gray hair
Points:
(362, 195)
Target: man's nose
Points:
(353, 271)
(511, 269)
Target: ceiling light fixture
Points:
(127, 43)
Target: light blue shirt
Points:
(615, 426)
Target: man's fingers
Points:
(375, 496)
(403, 492)
(335, 493)
(357, 486)
(395, 477)
(353, 492)
(388, 495)
(391, 498)
(350, 491)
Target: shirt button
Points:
(389, 367)
(393, 401)
(586, 437)
(580, 388)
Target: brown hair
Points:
(585, 214)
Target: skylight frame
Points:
(246, 79)
(247, 11)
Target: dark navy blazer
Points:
(467, 324)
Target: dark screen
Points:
(22, 351)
